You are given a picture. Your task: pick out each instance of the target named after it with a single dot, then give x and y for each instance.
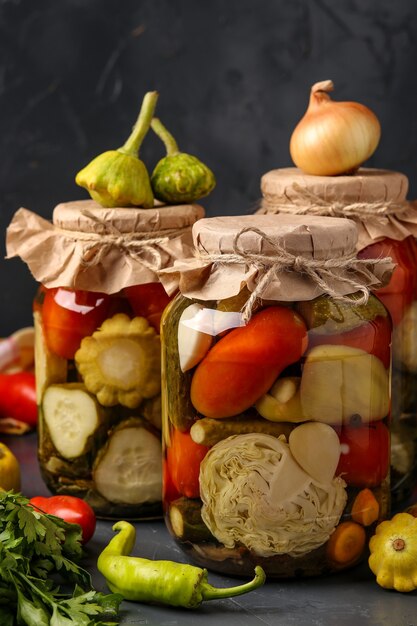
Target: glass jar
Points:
(387, 223)
(275, 396)
(97, 350)
(400, 298)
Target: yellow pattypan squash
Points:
(121, 362)
(9, 470)
(393, 549)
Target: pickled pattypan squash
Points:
(393, 549)
(120, 362)
(9, 470)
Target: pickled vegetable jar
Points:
(275, 396)
(97, 347)
(387, 224)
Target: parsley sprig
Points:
(41, 582)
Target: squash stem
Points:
(165, 136)
(141, 127)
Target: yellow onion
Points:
(333, 137)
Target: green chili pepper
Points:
(118, 178)
(162, 582)
(179, 177)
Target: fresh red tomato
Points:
(183, 463)
(18, 397)
(399, 293)
(365, 454)
(71, 509)
(70, 315)
(148, 300)
(374, 337)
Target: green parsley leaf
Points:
(38, 554)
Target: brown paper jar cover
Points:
(92, 248)
(228, 250)
(388, 214)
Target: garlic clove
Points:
(282, 403)
(316, 448)
(193, 344)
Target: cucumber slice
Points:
(128, 470)
(72, 415)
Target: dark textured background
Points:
(233, 76)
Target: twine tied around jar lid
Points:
(133, 243)
(375, 199)
(318, 270)
(377, 210)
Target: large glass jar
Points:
(97, 348)
(387, 224)
(275, 397)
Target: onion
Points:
(333, 137)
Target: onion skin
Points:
(333, 137)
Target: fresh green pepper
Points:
(118, 178)
(179, 177)
(162, 582)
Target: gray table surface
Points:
(351, 598)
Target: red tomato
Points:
(71, 509)
(148, 300)
(169, 492)
(374, 337)
(18, 397)
(183, 463)
(365, 454)
(68, 316)
(399, 293)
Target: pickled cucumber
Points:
(71, 415)
(185, 518)
(128, 470)
(331, 316)
(176, 403)
(209, 431)
(50, 368)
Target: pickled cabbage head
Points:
(255, 494)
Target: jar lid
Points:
(280, 257)
(309, 236)
(93, 248)
(366, 185)
(85, 215)
(375, 199)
